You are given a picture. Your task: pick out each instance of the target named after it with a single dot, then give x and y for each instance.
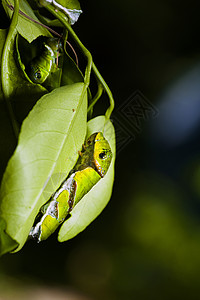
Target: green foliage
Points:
(26, 28)
(7, 244)
(50, 136)
(48, 144)
(71, 4)
(13, 81)
(7, 144)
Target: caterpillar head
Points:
(102, 154)
(36, 73)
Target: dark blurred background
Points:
(146, 243)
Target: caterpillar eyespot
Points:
(38, 75)
(89, 169)
(102, 155)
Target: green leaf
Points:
(48, 147)
(72, 4)
(8, 141)
(93, 202)
(27, 28)
(71, 8)
(6, 243)
(46, 21)
(22, 93)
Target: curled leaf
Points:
(27, 28)
(48, 145)
(91, 205)
(7, 244)
(20, 92)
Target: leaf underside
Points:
(48, 147)
(27, 28)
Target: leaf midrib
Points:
(59, 152)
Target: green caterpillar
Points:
(92, 165)
(42, 65)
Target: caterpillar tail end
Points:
(35, 234)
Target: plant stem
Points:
(12, 32)
(64, 20)
(90, 65)
(108, 91)
(100, 90)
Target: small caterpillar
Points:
(92, 165)
(42, 65)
